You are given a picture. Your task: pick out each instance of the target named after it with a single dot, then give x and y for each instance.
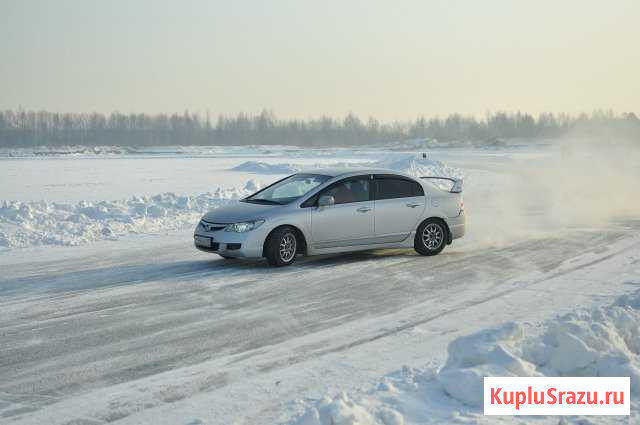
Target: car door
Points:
(399, 204)
(350, 220)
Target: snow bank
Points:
(264, 168)
(24, 224)
(603, 341)
(415, 165)
(66, 151)
(341, 410)
(171, 151)
(487, 353)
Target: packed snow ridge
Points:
(415, 165)
(24, 224)
(418, 166)
(98, 151)
(264, 168)
(603, 341)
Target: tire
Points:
(281, 247)
(431, 237)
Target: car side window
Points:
(396, 187)
(352, 189)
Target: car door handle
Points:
(363, 209)
(411, 205)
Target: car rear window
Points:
(394, 187)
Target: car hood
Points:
(240, 211)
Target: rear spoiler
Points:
(456, 186)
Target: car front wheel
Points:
(281, 247)
(431, 237)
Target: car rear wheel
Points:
(281, 247)
(431, 237)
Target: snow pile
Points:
(264, 168)
(24, 224)
(67, 151)
(170, 151)
(415, 165)
(418, 166)
(341, 410)
(289, 168)
(491, 352)
(603, 341)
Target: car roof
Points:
(337, 172)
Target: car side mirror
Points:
(326, 200)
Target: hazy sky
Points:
(389, 59)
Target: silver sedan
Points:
(330, 211)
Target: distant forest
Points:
(39, 128)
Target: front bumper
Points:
(230, 244)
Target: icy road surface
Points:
(94, 321)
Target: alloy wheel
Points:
(432, 236)
(287, 247)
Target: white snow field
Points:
(132, 325)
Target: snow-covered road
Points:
(98, 321)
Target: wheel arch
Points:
(302, 240)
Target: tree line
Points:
(20, 128)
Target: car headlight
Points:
(244, 226)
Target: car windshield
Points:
(287, 190)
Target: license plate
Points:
(203, 241)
